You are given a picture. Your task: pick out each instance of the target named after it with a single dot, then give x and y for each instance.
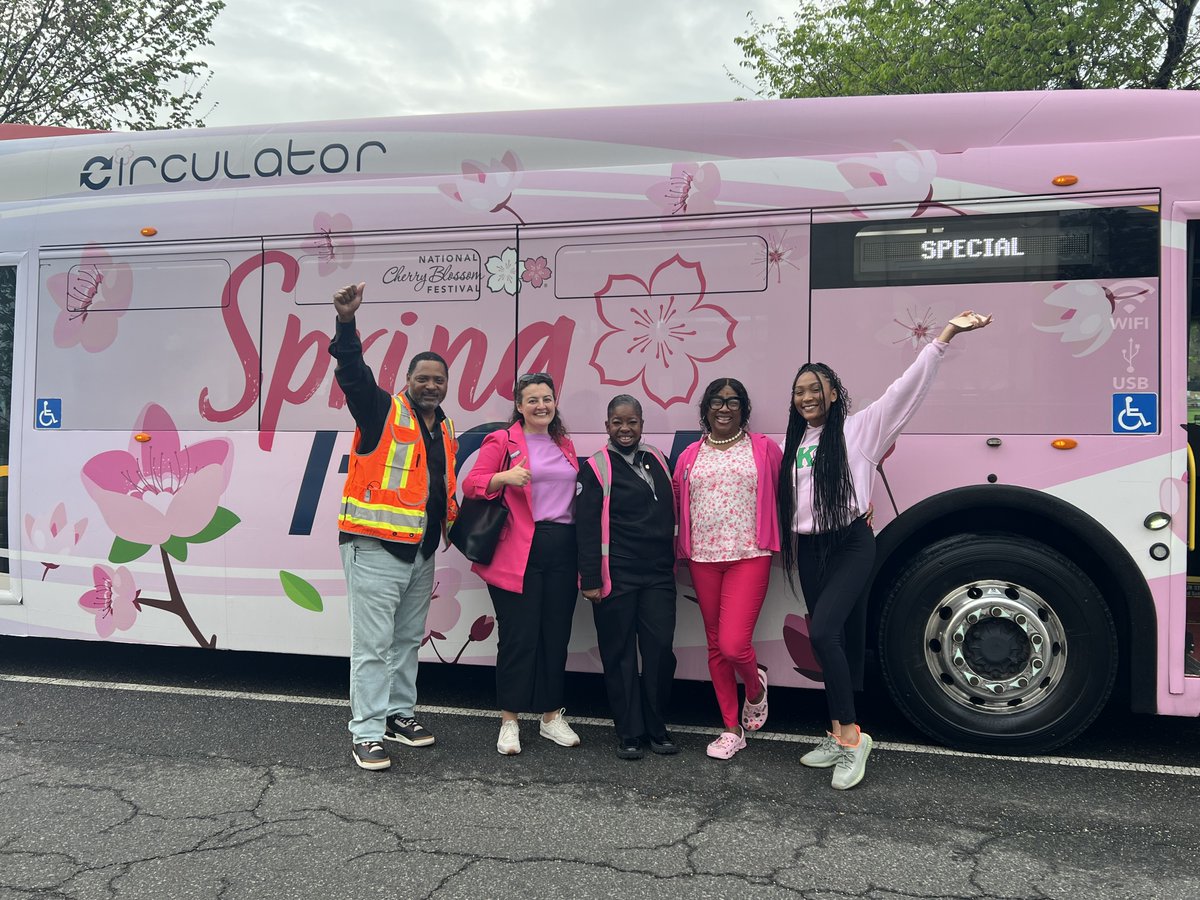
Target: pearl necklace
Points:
(728, 440)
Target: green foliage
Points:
(220, 523)
(124, 551)
(301, 592)
(854, 47)
(111, 64)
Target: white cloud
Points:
(312, 60)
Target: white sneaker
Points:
(509, 742)
(824, 755)
(559, 731)
(851, 763)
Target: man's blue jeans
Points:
(389, 601)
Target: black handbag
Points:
(476, 530)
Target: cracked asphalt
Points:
(128, 794)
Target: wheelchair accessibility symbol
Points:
(49, 413)
(1135, 414)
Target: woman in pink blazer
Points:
(533, 578)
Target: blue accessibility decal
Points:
(1135, 414)
(48, 413)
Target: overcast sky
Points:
(319, 59)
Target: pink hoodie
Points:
(767, 457)
(507, 568)
(869, 433)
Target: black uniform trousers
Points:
(639, 615)
(534, 626)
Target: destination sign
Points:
(936, 248)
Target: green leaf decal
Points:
(301, 592)
(221, 522)
(177, 547)
(124, 551)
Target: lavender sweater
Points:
(869, 434)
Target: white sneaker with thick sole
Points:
(559, 731)
(509, 742)
(824, 755)
(851, 763)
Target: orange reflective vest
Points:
(387, 489)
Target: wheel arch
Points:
(1066, 528)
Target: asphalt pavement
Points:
(138, 772)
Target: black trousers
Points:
(831, 596)
(534, 626)
(638, 616)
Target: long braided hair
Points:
(833, 489)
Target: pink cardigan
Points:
(507, 568)
(767, 458)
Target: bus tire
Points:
(997, 643)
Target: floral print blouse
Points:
(724, 486)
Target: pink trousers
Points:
(731, 596)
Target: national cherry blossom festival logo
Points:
(662, 334)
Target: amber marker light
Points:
(1064, 444)
(149, 231)
(1065, 180)
(141, 437)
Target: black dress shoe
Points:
(665, 745)
(629, 748)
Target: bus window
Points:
(1193, 362)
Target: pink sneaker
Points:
(726, 745)
(754, 715)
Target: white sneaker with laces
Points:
(509, 742)
(824, 755)
(851, 763)
(559, 731)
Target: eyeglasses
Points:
(727, 402)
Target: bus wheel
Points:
(997, 643)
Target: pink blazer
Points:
(507, 568)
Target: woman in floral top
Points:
(726, 485)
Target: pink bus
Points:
(175, 439)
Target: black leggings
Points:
(831, 595)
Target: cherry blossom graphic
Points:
(781, 252)
(920, 328)
(660, 339)
(113, 600)
(900, 176)
(332, 245)
(536, 272)
(160, 492)
(53, 535)
(487, 188)
(799, 647)
(444, 612)
(91, 297)
(502, 272)
(692, 188)
(444, 608)
(1081, 312)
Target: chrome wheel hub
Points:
(995, 647)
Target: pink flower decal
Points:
(481, 628)
(487, 188)
(660, 338)
(900, 176)
(332, 245)
(444, 608)
(1081, 313)
(53, 536)
(536, 272)
(159, 489)
(799, 647)
(692, 188)
(781, 252)
(113, 601)
(91, 297)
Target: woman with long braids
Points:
(825, 484)
(725, 483)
